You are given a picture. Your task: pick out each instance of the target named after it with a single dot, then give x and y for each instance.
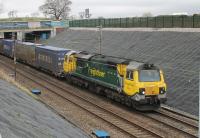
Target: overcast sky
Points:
(109, 8)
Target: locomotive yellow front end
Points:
(145, 84)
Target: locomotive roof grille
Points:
(109, 60)
(148, 66)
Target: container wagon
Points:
(50, 59)
(8, 47)
(1, 45)
(25, 52)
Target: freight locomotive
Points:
(136, 84)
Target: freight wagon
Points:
(8, 47)
(1, 45)
(51, 59)
(25, 52)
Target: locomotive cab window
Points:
(129, 75)
(70, 59)
(66, 57)
(149, 75)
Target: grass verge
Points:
(10, 79)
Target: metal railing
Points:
(168, 21)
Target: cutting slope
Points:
(177, 53)
(21, 116)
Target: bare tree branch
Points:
(58, 8)
(12, 13)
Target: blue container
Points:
(25, 52)
(8, 47)
(1, 45)
(51, 59)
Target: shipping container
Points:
(1, 45)
(8, 47)
(25, 52)
(51, 59)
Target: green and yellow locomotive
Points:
(132, 83)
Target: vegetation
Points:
(24, 19)
(57, 9)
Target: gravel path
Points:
(22, 116)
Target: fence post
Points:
(126, 22)
(155, 22)
(98, 22)
(120, 22)
(182, 21)
(132, 21)
(147, 22)
(163, 21)
(172, 21)
(193, 21)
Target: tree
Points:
(101, 17)
(59, 9)
(147, 14)
(35, 14)
(12, 14)
(81, 15)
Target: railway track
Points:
(133, 124)
(176, 122)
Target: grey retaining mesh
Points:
(21, 116)
(177, 53)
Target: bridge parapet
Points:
(14, 25)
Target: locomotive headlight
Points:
(162, 90)
(142, 91)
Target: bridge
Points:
(31, 30)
